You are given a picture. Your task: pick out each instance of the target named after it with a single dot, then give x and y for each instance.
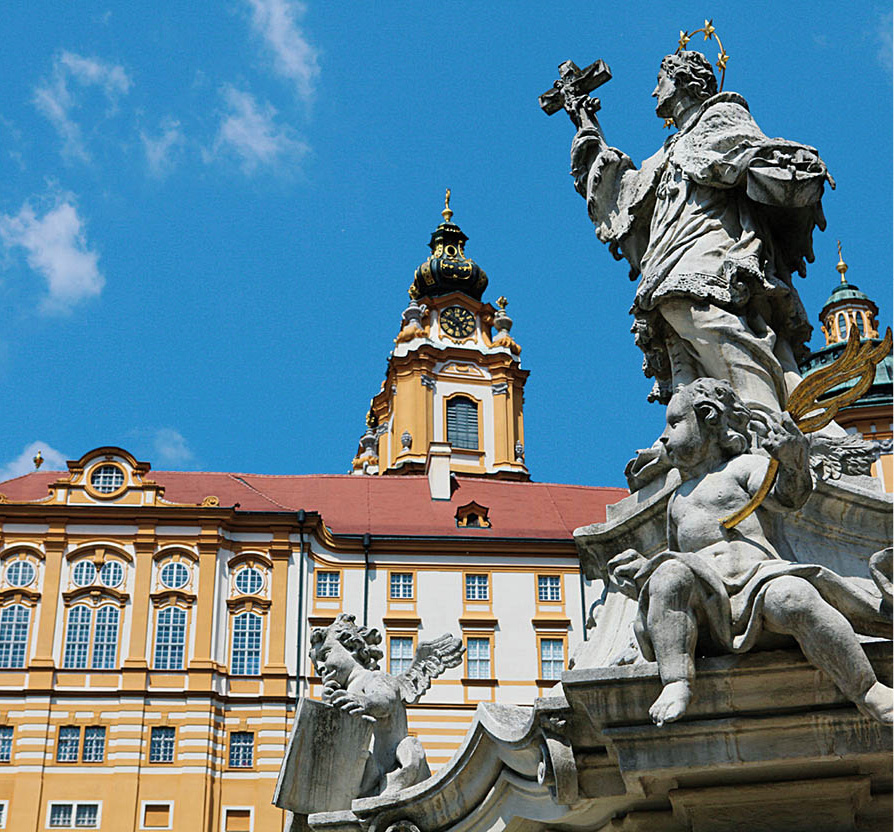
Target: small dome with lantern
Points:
(448, 269)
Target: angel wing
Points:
(431, 660)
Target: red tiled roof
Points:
(352, 505)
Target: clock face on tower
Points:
(457, 322)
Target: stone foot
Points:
(671, 703)
(878, 703)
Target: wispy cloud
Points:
(294, 57)
(57, 96)
(171, 446)
(56, 248)
(884, 53)
(24, 463)
(160, 149)
(249, 130)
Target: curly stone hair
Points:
(692, 72)
(359, 641)
(716, 404)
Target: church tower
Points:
(454, 389)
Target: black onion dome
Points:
(448, 269)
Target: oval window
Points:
(20, 573)
(249, 580)
(174, 575)
(107, 479)
(111, 574)
(84, 573)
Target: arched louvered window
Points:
(462, 422)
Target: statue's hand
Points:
(351, 703)
(785, 442)
(623, 568)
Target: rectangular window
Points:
(242, 749)
(94, 744)
(5, 744)
(549, 588)
(478, 658)
(14, 636)
(400, 654)
(401, 585)
(77, 637)
(328, 585)
(3, 806)
(68, 745)
(238, 820)
(161, 745)
(477, 588)
(552, 658)
(157, 816)
(247, 644)
(170, 639)
(105, 637)
(60, 815)
(77, 814)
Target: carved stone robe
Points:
(721, 216)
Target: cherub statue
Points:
(730, 590)
(346, 657)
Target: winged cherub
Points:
(347, 658)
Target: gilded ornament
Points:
(211, 500)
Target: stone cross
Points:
(573, 85)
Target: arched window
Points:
(462, 422)
(842, 325)
(858, 316)
(77, 637)
(247, 644)
(105, 637)
(14, 636)
(170, 639)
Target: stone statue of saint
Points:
(728, 591)
(714, 225)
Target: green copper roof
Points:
(846, 292)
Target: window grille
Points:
(552, 659)
(111, 574)
(247, 644)
(60, 815)
(401, 585)
(94, 744)
(107, 479)
(20, 573)
(549, 589)
(84, 573)
(5, 744)
(170, 639)
(161, 745)
(174, 575)
(86, 815)
(77, 637)
(328, 585)
(478, 658)
(105, 637)
(400, 654)
(249, 581)
(242, 749)
(68, 745)
(462, 423)
(14, 636)
(476, 588)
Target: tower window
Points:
(462, 423)
(858, 316)
(842, 325)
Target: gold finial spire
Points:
(447, 213)
(502, 302)
(842, 266)
(38, 460)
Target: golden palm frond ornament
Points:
(857, 361)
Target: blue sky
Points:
(211, 212)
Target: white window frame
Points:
(12, 743)
(246, 652)
(477, 585)
(173, 750)
(227, 807)
(392, 658)
(170, 805)
(317, 577)
(4, 813)
(74, 814)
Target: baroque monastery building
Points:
(154, 625)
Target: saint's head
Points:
(684, 74)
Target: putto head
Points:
(360, 642)
(691, 73)
(717, 406)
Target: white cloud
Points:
(56, 99)
(160, 150)
(171, 446)
(249, 130)
(56, 248)
(884, 37)
(293, 56)
(52, 461)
